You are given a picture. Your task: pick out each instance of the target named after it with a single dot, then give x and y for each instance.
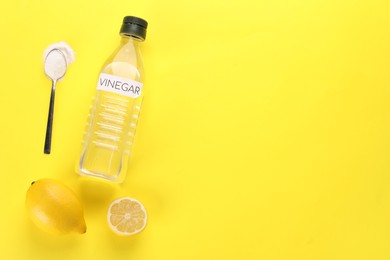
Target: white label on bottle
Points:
(119, 85)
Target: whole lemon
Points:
(55, 208)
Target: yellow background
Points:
(264, 132)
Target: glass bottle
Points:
(113, 117)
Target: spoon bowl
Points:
(55, 64)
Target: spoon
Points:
(55, 69)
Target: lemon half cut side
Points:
(126, 216)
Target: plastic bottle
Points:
(112, 121)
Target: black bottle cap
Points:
(134, 26)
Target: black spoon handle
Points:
(49, 126)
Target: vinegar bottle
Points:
(113, 117)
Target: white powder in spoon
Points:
(54, 65)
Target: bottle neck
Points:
(126, 39)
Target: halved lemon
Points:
(126, 216)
